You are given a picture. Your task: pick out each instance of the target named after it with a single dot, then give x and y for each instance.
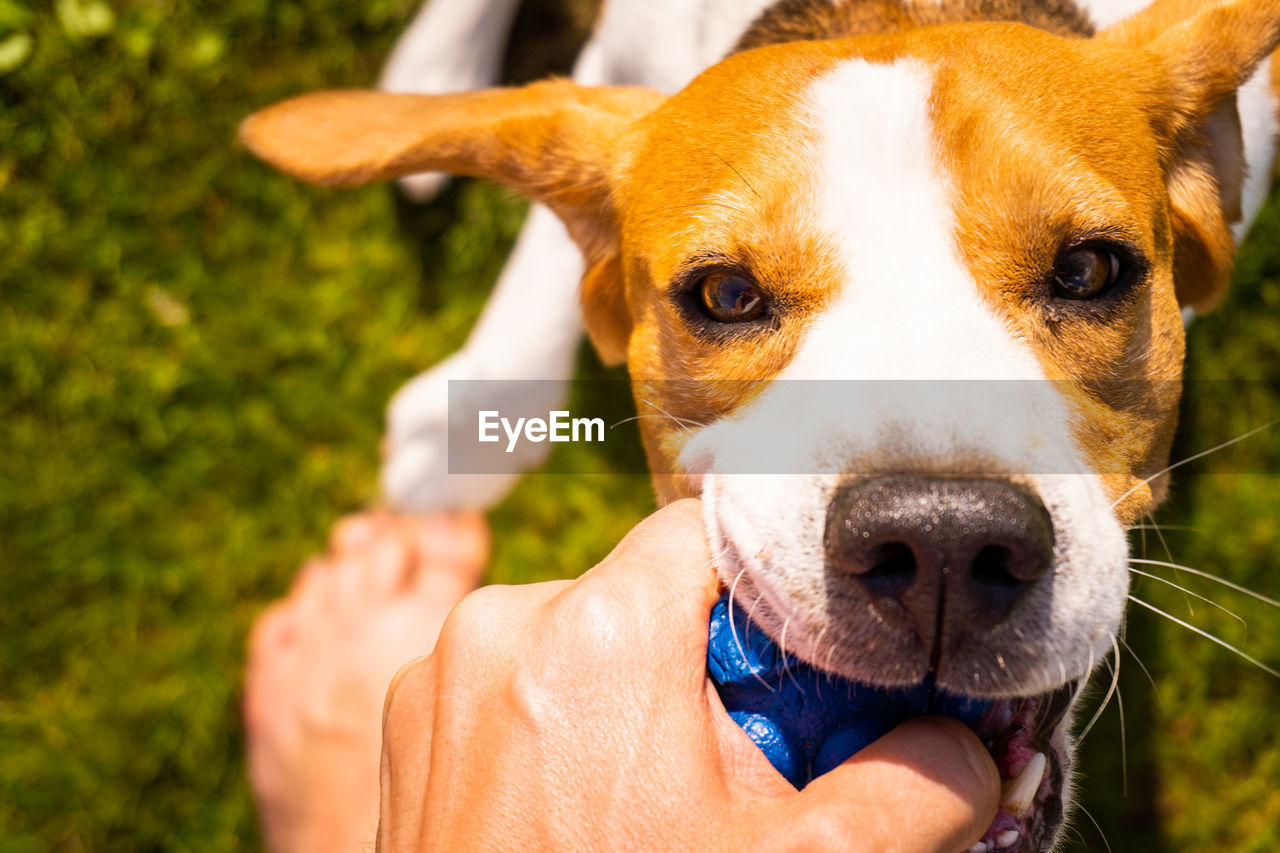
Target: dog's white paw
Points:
(416, 459)
(416, 479)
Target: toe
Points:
(273, 629)
(382, 566)
(312, 582)
(456, 541)
(272, 653)
(450, 553)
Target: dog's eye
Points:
(1085, 272)
(731, 298)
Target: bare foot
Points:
(320, 662)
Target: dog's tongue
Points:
(807, 721)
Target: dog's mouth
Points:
(807, 721)
(1024, 737)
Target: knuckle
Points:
(592, 622)
(480, 625)
(580, 641)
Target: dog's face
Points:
(950, 297)
(907, 308)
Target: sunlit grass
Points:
(194, 357)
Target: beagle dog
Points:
(904, 282)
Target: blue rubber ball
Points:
(806, 721)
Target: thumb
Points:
(929, 786)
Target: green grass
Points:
(194, 357)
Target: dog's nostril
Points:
(888, 569)
(990, 566)
(892, 561)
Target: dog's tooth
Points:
(1008, 838)
(1020, 793)
(980, 847)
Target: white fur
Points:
(908, 333)
(1259, 124)
(664, 44)
(1105, 13)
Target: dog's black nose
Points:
(939, 556)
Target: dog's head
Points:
(979, 237)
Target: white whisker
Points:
(1092, 820)
(817, 645)
(1124, 751)
(1200, 455)
(782, 648)
(733, 630)
(1190, 610)
(1180, 527)
(1186, 591)
(1083, 681)
(1209, 576)
(1193, 629)
(751, 613)
(682, 422)
(1075, 833)
(1115, 681)
(1142, 666)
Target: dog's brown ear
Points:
(604, 310)
(556, 142)
(1202, 52)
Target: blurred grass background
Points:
(194, 357)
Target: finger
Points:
(448, 694)
(927, 786)
(643, 610)
(489, 629)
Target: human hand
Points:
(579, 715)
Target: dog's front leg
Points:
(529, 330)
